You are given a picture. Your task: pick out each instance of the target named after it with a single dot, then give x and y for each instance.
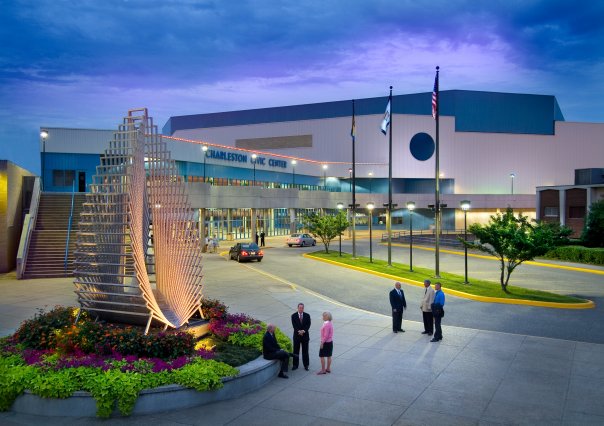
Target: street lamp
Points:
(465, 206)
(410, 207)
(370, 207)
(205, 155)
(325, 177)
(512, 176)
(254, 156)
(350, 179)
(340, 207)
(44, 136)
(370, 181)
(294, 162)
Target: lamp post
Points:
(370, 207)
(44, 136)
(340, 207)
(370, 181)
(512, 176)
(465, 206)
(254, 156)
(350, 180)
(294, 162)
(411, 207)
(205, 155)
(325, 177)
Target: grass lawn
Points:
(449, 281)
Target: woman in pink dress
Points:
(326, 348)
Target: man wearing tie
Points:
(301, 325)
(398, 303)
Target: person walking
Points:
(271, 350)
(398, 303)
(326, 347)
(438, 312)
(262, 235)
(426, 307)
(301, 325)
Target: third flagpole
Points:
(437, 204)
(389, 216)
(354, 200)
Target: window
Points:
(576, 212)
(63, 177)
(551, 212)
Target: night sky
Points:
(83, 64)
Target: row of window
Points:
(574, 212)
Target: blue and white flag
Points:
(386, 120)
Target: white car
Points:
(301, 240)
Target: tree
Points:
(327, 227)
(513, 240)
(593, 232)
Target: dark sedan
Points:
(246, 251)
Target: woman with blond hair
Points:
(326, 348)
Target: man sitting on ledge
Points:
(271, 350)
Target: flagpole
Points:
(354, 200)
(437, 206)
(389, 211)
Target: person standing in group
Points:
(301, 324)
(256, 238)
(398, 303)
(262, 235)
(271, 350)
(426, 308)
(326, 347)
(438, 312)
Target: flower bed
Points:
(53, 358)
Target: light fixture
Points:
(205, 155)
(340, 207)
(254, 156)
(410, 207)
(465, 206)
(370, 206)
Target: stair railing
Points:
(69, 227)
(29, 224)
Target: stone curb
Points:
(252, 376)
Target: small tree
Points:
(593, 232)
(326, 227)
(513, 240)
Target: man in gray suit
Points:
(426, 307)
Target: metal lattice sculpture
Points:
(138, 255)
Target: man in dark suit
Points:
(262, 235)
(398, 303)
(301, 324)
(271, 350)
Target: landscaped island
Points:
(52, 357)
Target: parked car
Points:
(301, 240)
(246, 251)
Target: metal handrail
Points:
(69, 226)
(29, 224)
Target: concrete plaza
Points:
(378, 377)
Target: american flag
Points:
(435, 97)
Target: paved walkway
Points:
(378, 378)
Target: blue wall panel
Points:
(474, 111)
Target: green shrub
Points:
(578, 254)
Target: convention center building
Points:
(263, 169)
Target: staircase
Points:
(46, 257)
